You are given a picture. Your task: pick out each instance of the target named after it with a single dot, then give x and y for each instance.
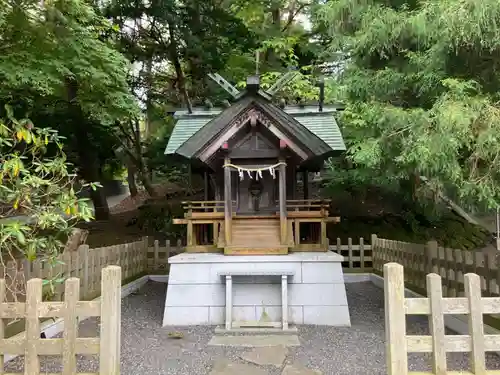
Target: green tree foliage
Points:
(421, 84)
(176, 44)
(58, 64)
(45, 44)
(40, 205)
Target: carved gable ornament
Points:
(252, 116)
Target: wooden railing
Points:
(202, 206)
(307, 204)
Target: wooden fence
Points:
(135, 259)
(399, 344)
(358, 257)
(138, 258)
(32, 346)
(451, 264)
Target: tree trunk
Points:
(132, 185)
(174, 56)
(86, 153)
(149, 88)
(101, 208)
(146, 182)
(142, 169)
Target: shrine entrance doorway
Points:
(257, 195)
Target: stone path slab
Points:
(255, 341)
(224, 367)
(298, 369)
(266, 356)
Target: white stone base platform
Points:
(196, 293)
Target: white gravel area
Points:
(359, 349)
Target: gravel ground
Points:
(146, 349)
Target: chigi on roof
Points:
(314, 127)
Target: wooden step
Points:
(255, 243)
(256, 233)
(255, 225)
(255, 220)
(246, 250)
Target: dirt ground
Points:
(122, 225)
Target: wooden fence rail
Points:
(358, 257)
(451, 264)
(135, 259)
(399, 344)
(32, 346)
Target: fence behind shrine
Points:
(32, 346)
(136, 259)
(360, 256)
(451, 264)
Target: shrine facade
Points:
(250, 155)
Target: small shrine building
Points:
(250, 155)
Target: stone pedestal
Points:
(196, 291)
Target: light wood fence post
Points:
(373, 243)
(144, 257)
(156, 259)
(436, 323)
(84, 258)
(395, 319)
(349, 253)
(362, 254)
(110, 321)
(33, 300)
(431, 251)
(476, 329)
(71, 299)
(167, 249)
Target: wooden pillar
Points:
(227, 202)
(206, 186)
(305, 179)
(291, 177)
(190, 229)
(282, 202)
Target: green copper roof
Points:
(322, 124)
